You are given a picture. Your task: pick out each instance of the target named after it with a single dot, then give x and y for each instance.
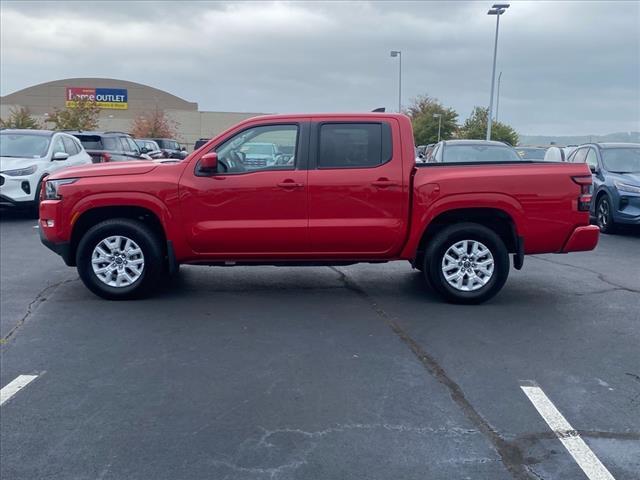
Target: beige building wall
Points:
(192, 124)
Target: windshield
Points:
(23, 145)
(621, 160)
(479, 153)
(257, 149)
(146, 144)
(532, 153)
(168, 144)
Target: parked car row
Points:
(468, 151)
(28, 156)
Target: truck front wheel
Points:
(466, 263)
(120, 259)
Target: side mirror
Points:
(144, 150)
(60, 156)
(182, 149)
(593, 168)
(208, 164)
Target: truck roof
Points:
(283, 116)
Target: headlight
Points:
(51, 188)
(623, 187)
(21, 172)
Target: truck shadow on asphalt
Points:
(404, 285)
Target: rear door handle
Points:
(384, 183)
(290, 184)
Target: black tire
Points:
(604, 219)
(446, 238)
(147, 241)
(34, 210)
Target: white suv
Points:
(27, 156)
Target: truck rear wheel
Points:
(120, 259)
(466, 263)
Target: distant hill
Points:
(579, 139)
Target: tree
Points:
(154, 124)
(20, 118)
(83, 115)
(475, 127)
(425, 125)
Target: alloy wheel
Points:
(117, 261)
(468, 265)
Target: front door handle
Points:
(384, 183)
(290, 184)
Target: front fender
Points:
(121, 199)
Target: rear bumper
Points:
(582, 239)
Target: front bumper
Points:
(63, 248)
(627, 209)
(582, 239)
(17, 191)
(7, 202)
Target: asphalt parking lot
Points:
(322, 373)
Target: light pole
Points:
(439, 117)
(398, 53)
(498, 97)
(497, 10)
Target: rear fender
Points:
(424, 213)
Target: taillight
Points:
(584, 200)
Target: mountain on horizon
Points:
(563, 140)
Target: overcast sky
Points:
(568, 67)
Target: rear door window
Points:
(111, 144)
(125, 145)
(354, 145)
(580, 156)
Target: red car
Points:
(349, 192)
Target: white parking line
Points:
(580, 451)
(15, 386)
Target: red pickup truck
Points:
(330, 189)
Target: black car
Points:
(109, 146)
(200, 142)
(170, 147)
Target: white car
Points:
(27, 156)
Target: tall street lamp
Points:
(439, 117)
(398, 53)
(497, 10)
(498, 97)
